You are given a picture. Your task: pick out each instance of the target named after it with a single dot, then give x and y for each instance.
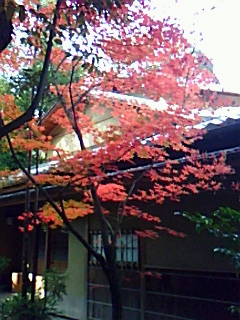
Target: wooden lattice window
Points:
(127, 248)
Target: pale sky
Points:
(220, 29)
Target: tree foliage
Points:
(114, 170)
(43, 308)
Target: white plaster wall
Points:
(75, 303)
(69, 141)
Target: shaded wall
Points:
(194, 251)
(11, 237)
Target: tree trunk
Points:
(115, 289)
(110, 268)
(6, 27)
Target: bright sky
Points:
(220, 29)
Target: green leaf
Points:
(81, 19)
(85, 65)
(109, 4)
(58, 41)
(75, 58)
(90, 70)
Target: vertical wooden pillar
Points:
(142, 259)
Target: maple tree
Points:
(144, 154)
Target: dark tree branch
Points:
(6, 28)
(105, 226)
(122, 205)
(28, 115)
(74, 116)
(71, 114)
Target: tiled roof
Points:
(211, 120)
(225, 116)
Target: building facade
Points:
(171, 277)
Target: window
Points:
(127, 248)
(60, 246)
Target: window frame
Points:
(130, 258)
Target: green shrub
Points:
(4, 262)
(55, 288)
(18, 308)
